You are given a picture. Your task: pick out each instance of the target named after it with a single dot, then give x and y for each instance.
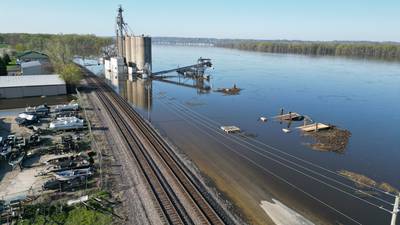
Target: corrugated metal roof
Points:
(22, 54)
(30, 80)
(31, 64)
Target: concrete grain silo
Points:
(133, 50)
(147, 53)
(140, 53)
(128, 57)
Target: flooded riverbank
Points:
(355, 95)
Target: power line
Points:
(290, 155)
(270, 172)
(296, 164)
(292, 168)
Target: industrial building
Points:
(36, 68)
(137, 52)
(31, 85)
(32, 56)
(133, 53)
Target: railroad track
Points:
(136, 131)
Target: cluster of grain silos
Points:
(138, 52)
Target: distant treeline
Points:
(83, 45)
(359, 49)
(386, 51)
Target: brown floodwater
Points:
(355, 95)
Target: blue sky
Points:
(374, 20)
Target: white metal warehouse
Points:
(32, 85)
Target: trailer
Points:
(67, 123)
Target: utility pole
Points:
(395, 209)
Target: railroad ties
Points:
(170, 206)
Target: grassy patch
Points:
(58, 214)
(62, 214)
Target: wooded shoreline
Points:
(367, 50)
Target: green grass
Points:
(11, 67)
(4, 46)
(58, 213)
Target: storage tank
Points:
(133, 49)
(147, 53)
(128, 49)
(140, 52)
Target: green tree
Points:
(20, 47)
(71, 74)
(6, 59)
(59, 51)
(3, 67)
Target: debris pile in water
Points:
(363, 181)
(229, 91)
(333, 140)
(359, 179)
(387, 187)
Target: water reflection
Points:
(139, 93)
(202, 85)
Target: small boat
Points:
(67, 123)
(72, 106)
(72, 174)
(41, 110)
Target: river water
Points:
(361, 96)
